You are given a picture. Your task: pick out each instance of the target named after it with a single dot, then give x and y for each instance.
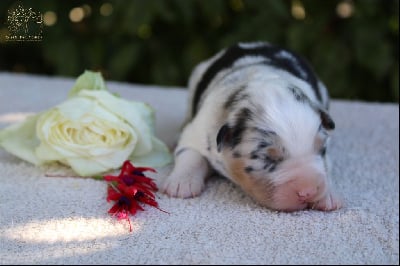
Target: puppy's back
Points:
(247, 54)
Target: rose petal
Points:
(89, 80)
(157, 157)
(20, 140)
(132, 112)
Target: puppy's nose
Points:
(307, 194)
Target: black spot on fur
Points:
(264, 132)
(294, 64)
(272, 167)
(223, 136)
(271, 164)
(225, 61)
(248, 169)
(294, 69)
(298, 94)
(243, 117)
(322, 151)
(254, 155)
(236, 154)
(326, 120)
(235, 98)
(263, 145)
(268, 161)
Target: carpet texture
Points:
(64, 220)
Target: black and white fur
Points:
(258, 115)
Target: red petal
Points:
(115, 208)
(149, 194)
(112, 194)
(129, 191)
(135, 207)
(146, 180)
(145, 189)
(148, 201)
(144, 169)
(127, 168)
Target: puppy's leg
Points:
(188, 175)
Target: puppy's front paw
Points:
(187, 178)
(183, 186)
(330, 202)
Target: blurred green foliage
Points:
(354, 51)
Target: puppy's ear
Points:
(326, 120)
(224, 137)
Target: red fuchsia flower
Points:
(124, 205)
(130, 189)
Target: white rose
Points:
(92, 132)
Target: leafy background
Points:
(160, 41)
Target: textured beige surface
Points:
(49, 220)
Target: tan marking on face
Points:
(274, 153)
(296, 187)
(259, 188)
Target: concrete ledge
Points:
(48, 220)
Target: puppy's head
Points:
(274, 149)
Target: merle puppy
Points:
(258, 116)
